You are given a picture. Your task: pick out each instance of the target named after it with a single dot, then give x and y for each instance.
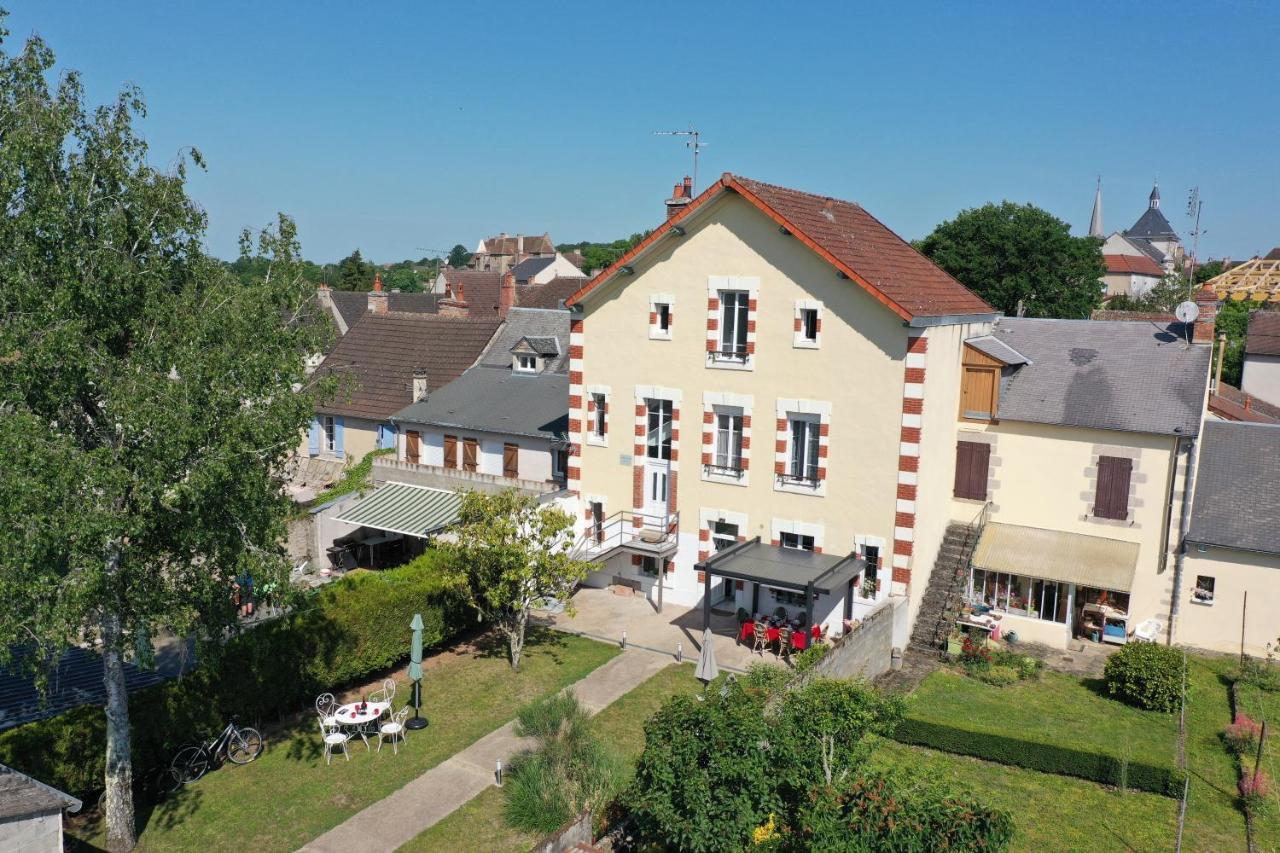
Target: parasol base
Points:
(416, 723)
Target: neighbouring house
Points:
(346, 307)
(1130, 275)
(31, 813)
(1228, 403)
(1119, 244)
(1231, 568)
(501, 253)
(552, 294)
(1073, 441)
(762, 402)
(540, 270)
(506, 417)
(1261, 376)
(384, 362)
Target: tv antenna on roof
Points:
(694, 143)
(1194, 206)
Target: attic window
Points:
(525, 364)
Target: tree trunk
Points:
(516, 638)
(121, 834)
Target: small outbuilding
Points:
(31, 813)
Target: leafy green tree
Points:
(1204, 272)
(601, 255)
(355, 273)
(146, 394)
(513, 552)
(459, 257)
(403, 279)
(1233, 321)
(1012, 254)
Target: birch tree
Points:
(512, 553)
(149, 400)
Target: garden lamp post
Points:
(415, 674)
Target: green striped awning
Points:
(402, 508)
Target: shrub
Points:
(808, 659)
(999, 676)
(347, 630)
(1241, 737)
(1080, 762)
(1255, 788)
(567, 772)
(883, 813)
(765, 678)
(1147, 675)
(1262, 674)
(975, 655)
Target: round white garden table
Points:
(362, 719)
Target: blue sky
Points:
(397, 127)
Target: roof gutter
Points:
(1184, 527)
(918, 322)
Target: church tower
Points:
(1095, 221)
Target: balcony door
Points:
(657, 459)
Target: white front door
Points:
(657, 476)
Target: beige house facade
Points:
(751, 372)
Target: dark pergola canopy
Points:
(806, 572)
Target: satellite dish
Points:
(1187, 312)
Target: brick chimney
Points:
(324, 296)
(681, 195)
(519, 244)
(1207, 302)
(378, 299)
(507, 294)
(455, 304)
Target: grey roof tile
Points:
(527, 269)
(531, 323)
(24, 797)
(1237, 493)
(1131, 376)
(1152, 225)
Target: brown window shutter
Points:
(973, 460)
(469, 453)
(412, 447)
(1112, 497)
(451, 451)
(511, 460)
(964, 461)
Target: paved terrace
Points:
(602, 614)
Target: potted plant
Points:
(869, 588)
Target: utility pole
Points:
(693, 142)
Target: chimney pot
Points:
(378, 299)
(507, 294)
(681, 195)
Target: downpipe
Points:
(1184, 524)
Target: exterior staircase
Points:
(943, 598)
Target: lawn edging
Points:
(1086, 764)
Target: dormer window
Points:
(525, 364)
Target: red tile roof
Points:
(1263, 337)
(1235, 405)
(479, 289)
(1133, 264)
(846, 236)
(552, 294)
(377, 357)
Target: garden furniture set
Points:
(370, 717)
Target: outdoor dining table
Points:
(799, 639)
(363, 720)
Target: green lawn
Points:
(1057, 709)
(1266, 706)
(289, 796)
(479, 825)
(1050, 812)
(1213, 814)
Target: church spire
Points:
(1153, 201)
(1095, 221)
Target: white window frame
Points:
(809, 456)
(599, 418)
(800, 340)
(799, 541)
(718, 287)
(657, 302)
(519, 365)
(734, 323)
(817, 413)
(1196, 597)
(329, 425)
(593, 394)
(728, 463)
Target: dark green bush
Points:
(1147, 675)
(999, 676)
(876, 812)
(1047, 758)
(346, 631)
(808, 659)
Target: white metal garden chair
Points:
(394, 729)
(386, 693)
(334, 738)
(327, 707)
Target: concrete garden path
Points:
(402, 816)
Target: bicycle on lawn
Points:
(236, 744)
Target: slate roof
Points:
(846, 236)
(1264, 333)
(353, 305)
(1131, 376)
(1237, 498)
(1152, 225)
(543, 346)
(490, 398)
(381, 352)
(76, 680)
(1139, 264)
(1164, 317)
(23, 797)
(530, 267)
(550, 295)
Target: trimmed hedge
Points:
(345, 631)
(1046, 757)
